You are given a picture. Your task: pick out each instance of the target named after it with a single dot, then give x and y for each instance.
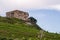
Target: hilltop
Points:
(17, 29)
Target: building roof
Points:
(18, 11)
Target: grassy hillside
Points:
(15, 29)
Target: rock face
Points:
(17, 14)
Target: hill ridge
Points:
(16, 29)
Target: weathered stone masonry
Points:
(17, 14)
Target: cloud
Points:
(28, 4)
(7, 5)
(55, 7)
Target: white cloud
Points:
(28, 4)
(7, 5)
(55, 7)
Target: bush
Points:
(33, 20)
(4, 39)
(10, 39)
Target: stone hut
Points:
(17, 14)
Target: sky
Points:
(47, 12)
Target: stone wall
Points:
(17, 14)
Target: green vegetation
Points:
(15, 29)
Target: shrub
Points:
(33, 20)
(4, 39)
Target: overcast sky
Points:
(29, 4)
(47, 12)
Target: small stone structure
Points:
(17, 14)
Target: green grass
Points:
(12, 28)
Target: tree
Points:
(32, 20)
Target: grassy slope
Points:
(15, 28)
